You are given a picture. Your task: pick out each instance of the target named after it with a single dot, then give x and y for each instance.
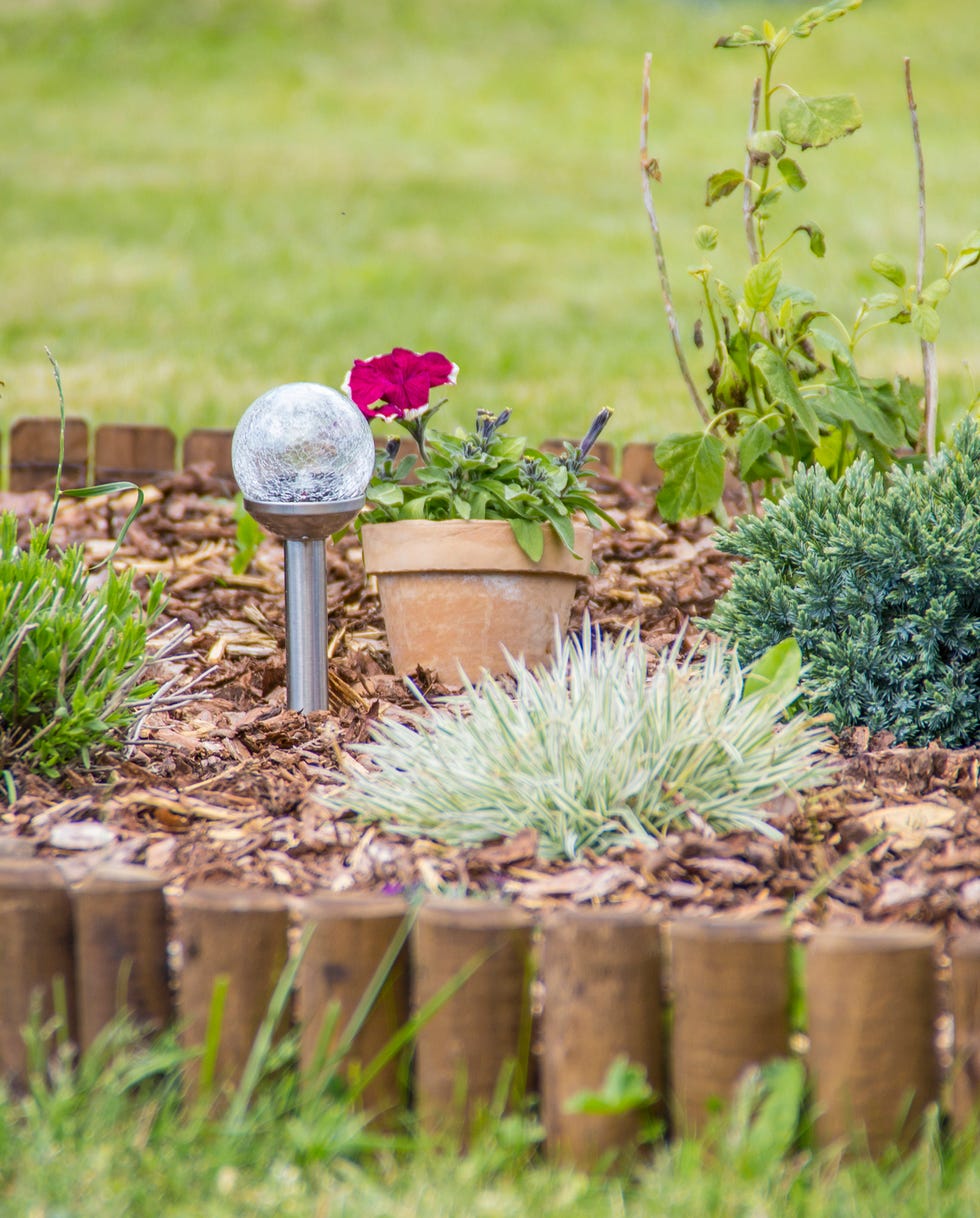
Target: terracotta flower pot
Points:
(455, 593)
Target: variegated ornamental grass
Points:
(590, 751)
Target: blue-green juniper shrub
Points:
(877, 578)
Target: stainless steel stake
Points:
(306, 624)
(303, 528)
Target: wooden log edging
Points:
(731, 1008)
(477, 954)
(872, 1004)
(237, 938)
(37, 970)
(144, 453)
(120, 936)
(965, 988)
(351, 935)
(603, 976)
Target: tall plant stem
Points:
(650, 170)
(930, 372)
(56, 498)
(747, 199)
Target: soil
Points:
(220, 785)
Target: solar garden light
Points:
(302, 455)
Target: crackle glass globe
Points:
(302, 443)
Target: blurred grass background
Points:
(205, 198)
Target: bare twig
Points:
(650, 170)
(747, 199)
(930, 372)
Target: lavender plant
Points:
(74, 652)
(591, 752)
(73, 671)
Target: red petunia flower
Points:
(401, 381)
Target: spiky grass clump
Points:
(588, 751)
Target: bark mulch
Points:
(222, 787)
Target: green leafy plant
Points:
(73, 673)
(588, 751)
(249, 535)
(876, 578)
(480, 475)
(73, 652)
(783, 385)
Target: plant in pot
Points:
(478, 544)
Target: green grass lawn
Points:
(110, 1136)
(205, 198)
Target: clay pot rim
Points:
(467, 546)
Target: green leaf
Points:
(785, 315)
(783, 389)
(111, 488)
(845, 403)
(387, 493)
(804, 26)
(934, 292)
(828, 452)
(818, 243)
(889, 269)
(501, 490)
(529, 535)
(900, 401)
(792, 174)
(925, 322)
(776, 673)
(558, 480)
(726, 295)
(563, 527)
(885, 300)
(624, 1089)
(968, 255)
(761, 283)
(722, 184)
(772, 1098)
(902, 398)
(813, 122)
(478, 504)
(832, 342)
(766, 198)
(744, 36)
(756, 442)
(415, 508)
(694, 475)
(249, 535)
(706, 237)
(432, 474)
(509, 448)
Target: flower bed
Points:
(221, 789)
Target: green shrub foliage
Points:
(877, 578)
(73, 653)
